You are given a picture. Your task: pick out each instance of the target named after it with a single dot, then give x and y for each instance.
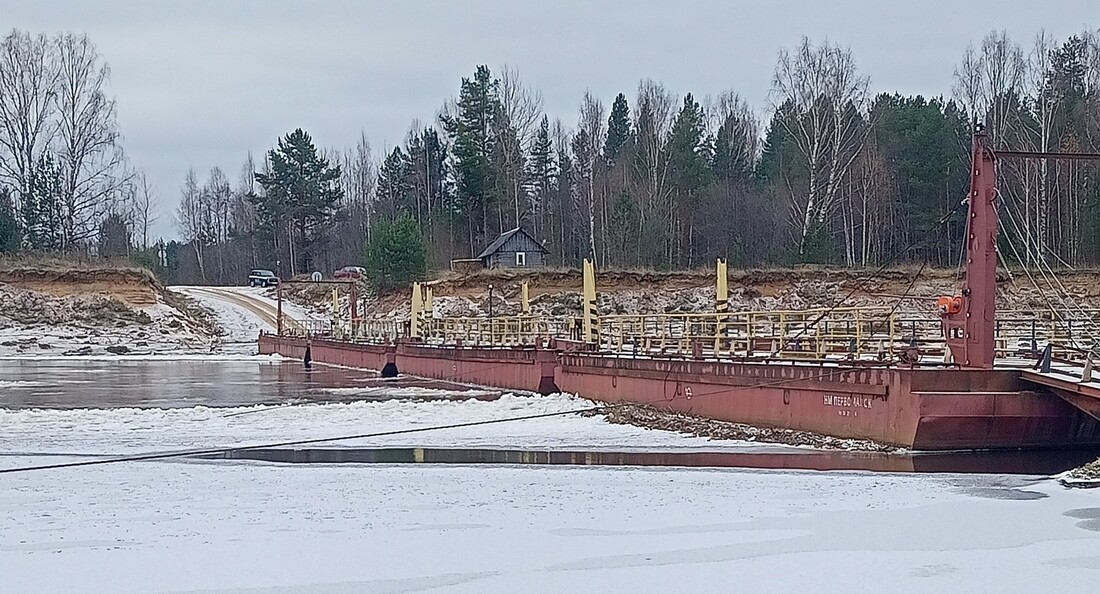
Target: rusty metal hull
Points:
(524, 369)
(925, 409)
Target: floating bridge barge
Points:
(967, 379)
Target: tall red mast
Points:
(968, 320)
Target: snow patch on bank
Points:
(240, 327)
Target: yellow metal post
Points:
(414, 311)
(591, 321)
(524, 298)
(721, 304)
(429, 303)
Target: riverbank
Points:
(88, 311)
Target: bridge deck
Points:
(1077, 384)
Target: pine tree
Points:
(619, 134)
(689, 170)
(920, 139)
(301, 195)
(426, 176)
(471, 131)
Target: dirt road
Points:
(259, 307)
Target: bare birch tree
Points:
(521, 109)
(1035, 176)
(93, 166)
(28, 85)
(359, 178)
(142, 208)
(827, 96)
(655, 110)
(191, 219)
(591, 133)
(989, 80)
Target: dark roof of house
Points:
(504, 237)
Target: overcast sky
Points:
(200, 83)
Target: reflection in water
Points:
(64, 384)
(1039, 463)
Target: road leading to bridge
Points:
(242, 298)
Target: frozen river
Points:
(267, 528)
(250, 526)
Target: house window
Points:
(521, 258)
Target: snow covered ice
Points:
(250, 527)
(190, 525)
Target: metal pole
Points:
(279, 293)
(279, 310)
(490, 302)
(354, 297)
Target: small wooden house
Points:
(514, 249)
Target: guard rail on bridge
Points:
(838, 333)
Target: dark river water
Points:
(60, 383)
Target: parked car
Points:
(350, 273)
(262, 278)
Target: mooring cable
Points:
(226, 450)
(920, 241)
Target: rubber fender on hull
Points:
(389, 369)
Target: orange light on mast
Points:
(949, 305)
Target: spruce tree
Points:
(564, 210)
(396, 254)
(114, 236)
(40, 207)
(471, 132)
(10, 236)
(689, 170)
(393, 186)
(734, 157)
(540, 175)
(618, 130)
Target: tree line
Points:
(65, 182)
(833, 174)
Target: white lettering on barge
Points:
(848, 404)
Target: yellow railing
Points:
(1016, 332)
(504, 330)
(815, 333)
(864, 333)
(377, 329)
(365, 329)
(306, 328)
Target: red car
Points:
(349, 272)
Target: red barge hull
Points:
(923, 409)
